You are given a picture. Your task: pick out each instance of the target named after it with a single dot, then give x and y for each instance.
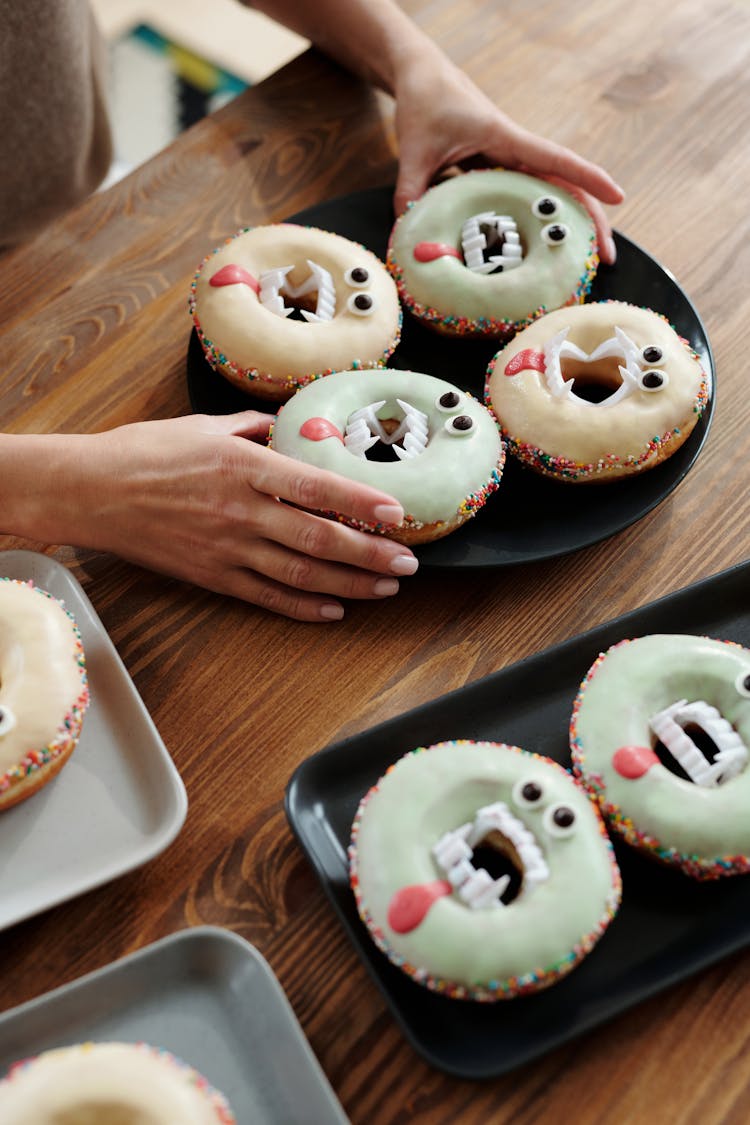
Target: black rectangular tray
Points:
(668, 926)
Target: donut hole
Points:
(308, 302)
(702, 741)
(494, 242)
(592, 382)
(498, 857)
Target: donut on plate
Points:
(596, 392)
(125, 1083)
(482, 870)
(43, 688)
(278, 306)
(660, 733)
(431, 446)
(487, 252)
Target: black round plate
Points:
(529, 517)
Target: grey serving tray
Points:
(117, 803)
(210, 998)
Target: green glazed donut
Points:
(488, 252)
(423, 839)
(660, 734)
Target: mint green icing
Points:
(631, 683)
(430, 486)
(433, 791)
(549, 276)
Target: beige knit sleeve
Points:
(55, 131)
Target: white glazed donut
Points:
(43, 688)
(660, 733)
(483, 871)
(117, 1083)
(645, 390)
(247, 294)
(443, 449)
(487, 252)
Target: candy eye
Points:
(559, 821)
(742, 683)
(651, 354)
(7, 720)
(361, 304)
(448, 401)
(554, 233)
(460, 424)
(545, 207)
(527, 793)
(357, 276)
(653, 380)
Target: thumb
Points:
(411, 184)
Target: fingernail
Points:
(389, 513)
(404, 564)
(610, 248)
(385, 587)
(332, 612)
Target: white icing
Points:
(255, 333)
(540, 409)
(40, 674)
(118, 1083)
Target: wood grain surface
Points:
(94, 334)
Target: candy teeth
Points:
(475, 886)
(272, 282)
(364, 429)
(732, 756)
(619, 346)
(474, 243)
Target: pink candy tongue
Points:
(526, 360)
(634, 761)
(409, 906)
(234, 275)
(429, 251)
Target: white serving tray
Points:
(118, 801)
(207, 996)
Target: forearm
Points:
(373, 38)
(35, 476)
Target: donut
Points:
(124, 1083)
(482, 870)
(659, 734)
(278, 306)
(488, 252)
(596, 392)
(442, 449)
(43, 688)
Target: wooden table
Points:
(95, 334)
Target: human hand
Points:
(192, 497)
(443, 119)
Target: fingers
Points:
(545, 158)
(306, 589)
(322, 491)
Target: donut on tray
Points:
(117, 1082)
(431, 446)
(43, 688)
(278, 306)
(487, 252)
(596, 392)
(483, 871)
(660, 734)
